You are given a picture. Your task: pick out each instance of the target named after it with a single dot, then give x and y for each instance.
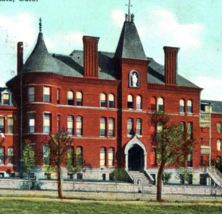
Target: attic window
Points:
(5, 99)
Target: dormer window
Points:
(5, 99)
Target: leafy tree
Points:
(28, 158)
(172, 144)
(120, 174)
(59, 145)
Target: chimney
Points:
(90, 56)
(170, 66)
(19, 56)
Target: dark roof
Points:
(215, 105)
(129, 45)
(40, 60)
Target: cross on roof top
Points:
(40, 25)
(129, 5)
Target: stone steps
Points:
(139, 178)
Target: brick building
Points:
(103, 100)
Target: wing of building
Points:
(103, 101)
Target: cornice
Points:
(173, 88)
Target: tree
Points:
(28, 158)
(59, 145)
(172, 143)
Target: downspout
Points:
(21, 130)
(210, 139)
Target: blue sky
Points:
(194, 26)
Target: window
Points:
(190, 159)
(79, 126)
(31, 94)
(31, 122)
(2, 156)
(189, 107)
(5, 99)
(138, 126)
(218, 144)
(159, 127)
(58, 124)
(111, 157)
(46, 94)
(102, 100)
(46, 123)
(111, 101)
(218, 128)
(130, 101)
(79, 155)
(70, 157)
(46, 154)
(138, 103)
(70, 128)
(182, 126)
(10, 125)
(182, 106)
(201, 161)
(58, 96)
(190, 130)
(130, 126)
(2, 125)
(70, 98)
(111, 127)
(160, 104)
(153, 103)
(102, 157)
(10, 155)
(79, 98)
(102, 127)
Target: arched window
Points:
(70, 98)
(70, 128)
(130, 101)
(2, 124)
(2, 156)
(70, 156)
(10, 155)
(153, 103)
(139, 126)
(160, 104)
(138, 103)
(111, 127)
(79, 98)
(46, 154)
(79, 126)
(79, 155)
(111, 101)
(102, 127)
(102, 157)
(189, 107)
(218, 127)
(102, 100)
(190, 130)
(182, 106)
(111, 157)
(130, 126)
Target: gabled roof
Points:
(129, 45)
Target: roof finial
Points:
(40, 25)
(128, 17)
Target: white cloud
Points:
(118, 17)
(163, 25)
(211, 87)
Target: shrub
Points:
(119, 174)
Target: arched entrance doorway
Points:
(135, 155)
(136, 158)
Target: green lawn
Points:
(38, 206)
